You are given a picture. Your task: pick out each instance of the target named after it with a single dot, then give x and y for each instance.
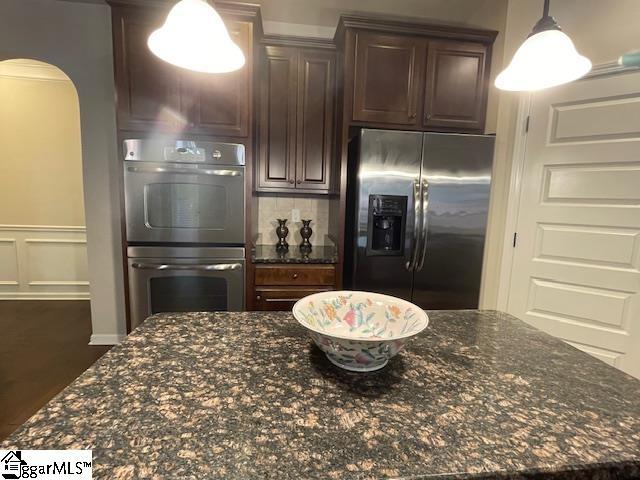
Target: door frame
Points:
(513, 201)
(515, 180)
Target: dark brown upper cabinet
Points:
(156, 96)
(278, 106)
(388, 71)
(404, 75)
(297, 110)
(218, 104)
(147, 87)
(456, 85)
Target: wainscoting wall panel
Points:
(43, 262)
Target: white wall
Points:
(601, 30)
(76, 37)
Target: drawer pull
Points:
(295, 275)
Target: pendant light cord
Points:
(545, 11)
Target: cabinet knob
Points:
(412, 116)
(291, 181)
(295, 275)
(299, 182)
(258, 297)
(427, 116)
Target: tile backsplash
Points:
(274, 206)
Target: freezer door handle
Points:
(417, 205)
(423, 232)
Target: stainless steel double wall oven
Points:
(185, 221)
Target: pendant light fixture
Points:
(195, 37)
(547, 58)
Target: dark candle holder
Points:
(305, 233)
(282, 231)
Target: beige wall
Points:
(40, 159)
(319, 18)
(601, 30)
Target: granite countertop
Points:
(247, 396)
(318, 254)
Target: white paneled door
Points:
(576, 266)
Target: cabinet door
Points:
(456, 85)
(387, 78)
(281, 299)
(277, 143)
(316, 100)
(218, 104)
(147, 87)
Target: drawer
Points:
(281, 299)
(295, 275)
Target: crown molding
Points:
(298, 41)
(32, 69)
(610, 68)
(397, 24)
(317, 33)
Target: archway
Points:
(43, 253)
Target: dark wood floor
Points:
(43, 348)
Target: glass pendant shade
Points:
(545, 59)
(195, 37)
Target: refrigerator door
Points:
(385, 217)
(456, 174)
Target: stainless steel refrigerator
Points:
(416, 215)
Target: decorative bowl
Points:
(359, 331)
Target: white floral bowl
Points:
(359, 331)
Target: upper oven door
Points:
(184, 191)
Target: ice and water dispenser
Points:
(386, 225)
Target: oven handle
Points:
(216, 267)
(189, 171)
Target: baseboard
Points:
(106, 339)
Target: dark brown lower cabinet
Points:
(281, 298)
(279, 286)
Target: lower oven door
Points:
(173, 284)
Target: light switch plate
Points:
(295, 215)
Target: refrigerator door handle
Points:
(423, 233)
(413, 256)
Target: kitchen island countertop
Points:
(478, 394)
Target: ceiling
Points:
(325, 13)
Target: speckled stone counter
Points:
(318, 254)
(246, 396)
